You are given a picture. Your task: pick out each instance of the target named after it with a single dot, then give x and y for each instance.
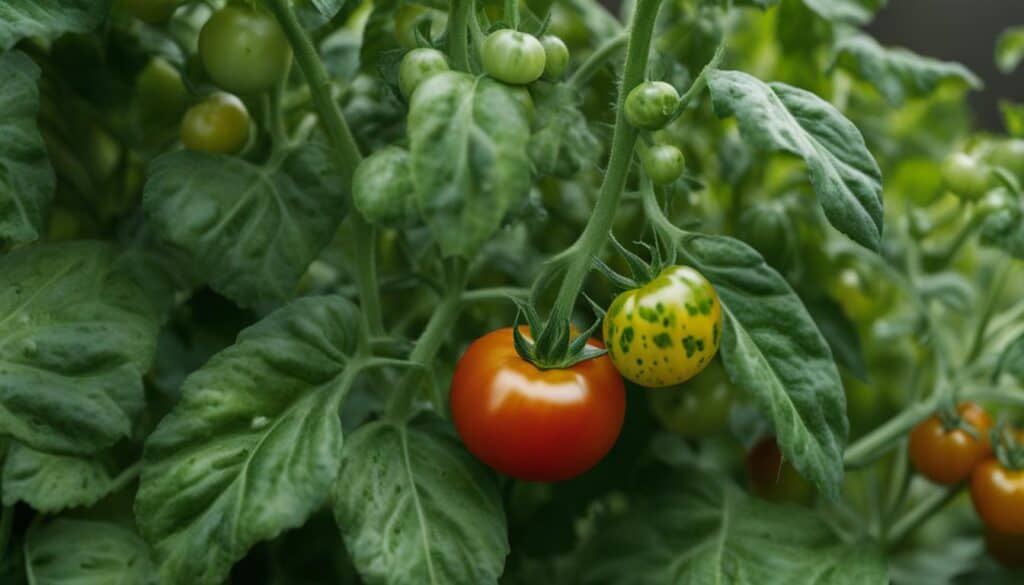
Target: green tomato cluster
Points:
(518, 58)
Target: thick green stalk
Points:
(879, 441)
(919, 514)
(363, 235)
(458, 33)
(595, 234)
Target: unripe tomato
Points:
(947, 456)
(408, 17)
(862, 298)
(533, 424)
(513, 57)
(774, 479)
(151, 11)
(965, 175)
(220, 124)
(1008, 549)
(698, 408)
(1008, 154)
(667, 331)
(651, 105)
(417, 66)
(161, 92)
(382, 188)
(998, 496)
(568, 25)
(769, 230)
(556, 56)
(244, 50)
(663, 163)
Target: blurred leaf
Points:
(896, 72)
(1013, 118)
(704, 529)
(937, 564)
(48, 19)
(378, 34)
(415, 507)
(250, 231)
(845, 11)
(27, 180)
(841, 334)
(1010, 49)
(78, 336)
(82, 552)
(779, 117)
(765, 326)
(252, 448)
(562, 143)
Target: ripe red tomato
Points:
(1008, 549)
(998, 496)
(947, 456)
(533, 424)
(773, 478)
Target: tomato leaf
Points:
(845, 11)
(52, 483)
(78, 334)
(85, 552)
(1013, 118)
(27, 180)
(783, 118)
(253, 447)
(469, 158)
(415, 507)
(1010, 49)
(48, 19)
(250, 231)
(773, 350)
(378, 34)
(896, 72)
(563, 144)
(704, 529)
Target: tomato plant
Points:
(482, 292)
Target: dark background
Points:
(958, 30)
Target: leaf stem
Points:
(597, 60)
(999, 280)
(348, 155)
(919, 514)
(458, 33)
(429, 343)
(872, 446)
(595, 234)
(501, 293)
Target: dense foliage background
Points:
(229, 324)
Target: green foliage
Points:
(48, 19)
(87, 552)
(1010, 49)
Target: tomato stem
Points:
(598, 59)
(878, 442)
(458, 34)
(429, 343)
(919, 514)
(363, 241)
(596, 232)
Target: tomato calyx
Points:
(554, 348)
(641, 271)
(1008, 445)
(951, 421)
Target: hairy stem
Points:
(597, 60)
(596, 232)
(349, 157)
(458, 33)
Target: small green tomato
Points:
(663, 163)
(667, 331)
(417, 66)
(698, 408)
(513, 57)
(556, 56)
(965, 175)
(650, 105)
(244, 49)
(218, 124)
(161, 92)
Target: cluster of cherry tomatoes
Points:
(952, 448)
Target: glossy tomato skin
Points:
(947, 456)
(533, 424)
(651, 104)
(244, 50)
(699, 408)
(218, 124)
(1008, 549)
(663, 163)
(998, 496)
(773, 478)
(556, 56)
(965, 175)
(667, 331)
(514, 57)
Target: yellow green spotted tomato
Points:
(667, 331)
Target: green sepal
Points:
(641, 270)
(1008, 450)
(553, 340)
(619, 281)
